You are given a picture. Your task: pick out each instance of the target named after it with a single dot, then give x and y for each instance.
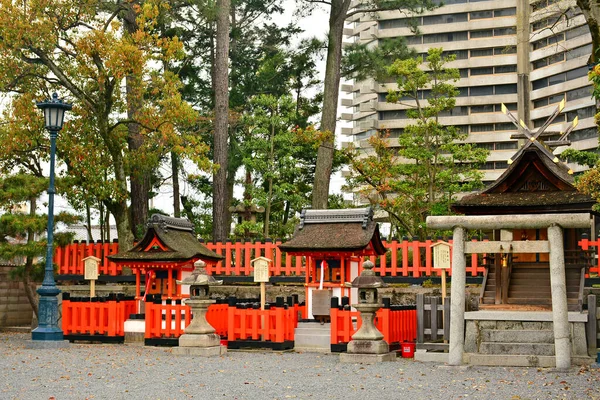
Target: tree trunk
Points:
(270, 190)
(591, 11)
(175, 177)
(339, 8)
(26, 278)
(221, 88)
(140, 176)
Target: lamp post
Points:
(48, 329)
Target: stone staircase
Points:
(530, 285)
(511, 342)
(508, 341)
(312, 337)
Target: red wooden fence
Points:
(169, 320)
(397, 326)
(70, 258)
(275, 325)
(586, 244)
(403, 258)
(96, 318)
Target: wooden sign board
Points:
(261, 269)
(441, 255)
(90, 268)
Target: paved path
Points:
(97, 371)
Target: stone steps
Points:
(517, 336)
(521, 348)
(312, 337)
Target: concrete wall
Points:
(14, 306)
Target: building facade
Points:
(528, 55)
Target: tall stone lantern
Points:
(367, 344)
(199, 338)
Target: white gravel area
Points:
(118, 371)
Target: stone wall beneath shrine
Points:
(14, 306)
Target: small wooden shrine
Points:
(334, 243)
(534, 183)
(167, 251)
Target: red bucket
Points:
(408, 350)
(224, 342)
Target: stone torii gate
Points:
(555, 223)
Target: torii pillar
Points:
(555, 224)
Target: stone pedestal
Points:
(367, 344)
(199, 338)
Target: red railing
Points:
(169, 320)
(586, 244)
(403, 258)
(106, 318)
(275, 325)
(397, 326)
(70, 258)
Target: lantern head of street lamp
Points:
(54, 112)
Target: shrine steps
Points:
(530, 285)
(313, 337)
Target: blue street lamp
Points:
(48, 329)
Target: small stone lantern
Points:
(199, 337)
(367, 344)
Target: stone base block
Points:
(46, 344)
(200, 351)
(430, 356)
(199, 340)
(367, 358)
(134, 337)
(368, 347)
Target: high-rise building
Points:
(528, 55)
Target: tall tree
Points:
(273, 156)
(430, 165)
(221, 222)
(591, 11)
(339, 12)
(78, 48)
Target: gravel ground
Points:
(97, 371)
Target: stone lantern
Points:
(199, 337)
(367, 344)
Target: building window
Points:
(505, 12)
(396, 114)
(540, 44)
(509, 106)
(583, 51)
(482, 71)
(579, 93)
(505, 69)
(577, 73)
(504, 126)
(589, 133)
(481, 14)
(459, 54)
(394, 23)
(505, 31)
(486, 108)
(482, 127)
(579, 31)
(586, 112)
(482, 52)
(499, 51)
(482, 34)
(445, 19)
(412, 40)
(506, 89)
(540, 83)
(482, 90)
